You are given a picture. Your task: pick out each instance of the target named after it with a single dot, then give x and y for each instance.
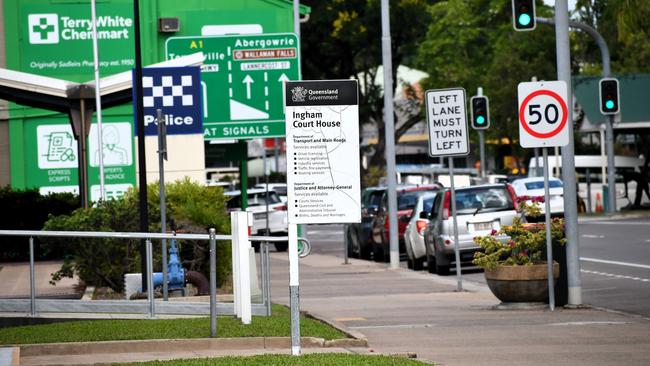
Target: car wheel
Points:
(365, 252)
(431, 264)
(377, 253)
(281, 247)
(418, 264)
(442, 270)
(350, 245)
(409, 263)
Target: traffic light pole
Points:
(481, 142)
(568, 156)
(609, 125)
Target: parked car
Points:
(479, 210)
(257, 204)
(413, 236)
(406, 199)
(279, 188)
(358, 236)
(534, 187)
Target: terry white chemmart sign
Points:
(58, 38)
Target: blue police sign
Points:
(177, 92)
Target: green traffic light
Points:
(480, 120)
(609, 104)
(524, 19)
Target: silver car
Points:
(413, 236)
(480, 209)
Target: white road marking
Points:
(393, 326)
(589, 323)
(616, 276)
(616, 223)
(625, 264)
(593, 236)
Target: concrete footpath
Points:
(406, 312)
(403, 311)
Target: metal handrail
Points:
(131, 235)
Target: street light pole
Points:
(390, 134)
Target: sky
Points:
(572, 3)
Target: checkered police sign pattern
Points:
(177, 92)
(167, 90)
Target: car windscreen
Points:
(540, 184)
(470, 201)
(408, 200)
(259, 199)
(375, 198)
(427, 204)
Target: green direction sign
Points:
(242, 79)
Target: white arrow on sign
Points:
(283, 78)
(248, 80)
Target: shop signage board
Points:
(543, 114)
(58, 38)
(55, 158)
(323, 178)
(242, 79)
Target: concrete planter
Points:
(521, 283)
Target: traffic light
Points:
(480, 112)
(523, 15)
(609, 98)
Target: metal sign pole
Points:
(162, 155)
(294, 289)
(459, 278)
(389, 122)
(98, 103)
(549, 245)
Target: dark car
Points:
(407, 197)
(358, 236)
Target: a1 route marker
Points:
(543, 114)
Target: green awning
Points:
(634, 98)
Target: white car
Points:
(534, 187)
(278, 224)
(416, 251)
(279, 188)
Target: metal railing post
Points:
(263, 274)
(150, 294)
(267, 284)
(32, 279)
(213, 284)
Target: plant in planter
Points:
(514, 257)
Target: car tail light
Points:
(513, 195)
(446, 203)
(249, 230)
(280, 208)
(386, 224)
(420, 225)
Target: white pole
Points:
(549, 242)
(98, 104)
(294, 289)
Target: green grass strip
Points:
(277, 325)
(319, 359)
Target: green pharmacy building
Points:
(53, 38)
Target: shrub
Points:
(28, 210)
(519, 244)
(103, 262)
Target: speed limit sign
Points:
(543, 114)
